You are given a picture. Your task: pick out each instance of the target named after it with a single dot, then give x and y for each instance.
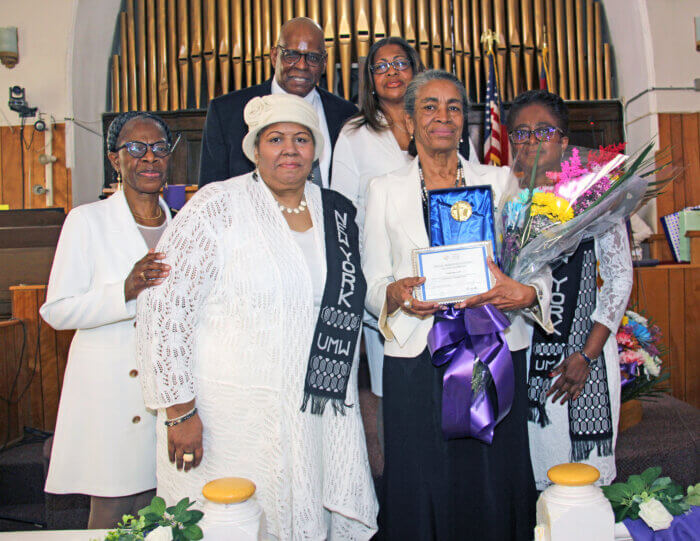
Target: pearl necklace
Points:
(296, 210)
(459, 181)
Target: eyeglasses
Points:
(383, 67)
(138, 149)
(544, 134)
(291, 57)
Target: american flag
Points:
(495, 136)
(544, 72)
(543, 77)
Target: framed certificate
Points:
(453, 272)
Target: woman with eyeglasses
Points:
(105, 444)
(435, 488)
(573, 377)
(375, 142)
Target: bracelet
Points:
(177, 420)
(586, 358)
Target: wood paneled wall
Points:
(15, 190)
(39, 371)
(670, 295)
(681, 133)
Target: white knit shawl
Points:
(232, 326)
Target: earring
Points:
(256, 175)
(310, 178)
(119, 181)
(461, 140)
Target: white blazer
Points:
(105, 441)
(394, 227)
(360, 154)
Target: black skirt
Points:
(435, 489)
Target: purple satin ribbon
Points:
(458, 338)
(628, 373)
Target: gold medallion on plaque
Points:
(461, 211)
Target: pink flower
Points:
(631, 357)
(626, 339)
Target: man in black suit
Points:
(299, 59)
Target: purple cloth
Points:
(683, 528)
(458, 339)
(174, 195)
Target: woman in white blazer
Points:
(374, 143)
(104, 444)
(433, 488)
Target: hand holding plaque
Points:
(453, 273)
(462, 241)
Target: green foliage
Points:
(626, 497)
(645, 388)
(693, 495)
(129, 529)
(180, 518)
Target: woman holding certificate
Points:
(439, 488)
(249, 348)
(375, 142)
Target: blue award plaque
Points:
(462, 238)
(459, 215)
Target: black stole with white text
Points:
(574, 292)
(340, 318)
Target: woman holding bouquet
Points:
(436, 488)
(574, 377)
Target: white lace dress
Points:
(551, 445)
(232, 327)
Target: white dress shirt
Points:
(314, 98)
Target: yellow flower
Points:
(555, 208)
(625, 320)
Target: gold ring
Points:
(188, 457)
(143, 276)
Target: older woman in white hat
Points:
(249, 347)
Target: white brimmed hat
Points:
(261, 112)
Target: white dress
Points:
(104, 444)
(232, 327)
(551, 445)
(361, 154)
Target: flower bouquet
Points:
(639, 344)
(565, 195)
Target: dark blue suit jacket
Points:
(222, 153)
